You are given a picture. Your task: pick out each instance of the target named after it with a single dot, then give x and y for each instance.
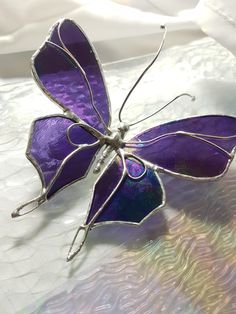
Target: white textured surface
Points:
(102, 20)
(33, 248)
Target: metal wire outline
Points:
(151, 166)
(143, 73)
(70, 56)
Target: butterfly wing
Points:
(199, 147)
(58, 162)
(119, 198)
(77, 43)
(67, 69)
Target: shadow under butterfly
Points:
(64, 147)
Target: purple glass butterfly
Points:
(64, 147)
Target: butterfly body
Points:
(64, 148)
(112, 142)
(115, 139)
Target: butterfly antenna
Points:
(163, 107)
(145, 71)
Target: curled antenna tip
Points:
(163, 26)
(193, 98)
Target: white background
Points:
(33, 249)
(119, 28)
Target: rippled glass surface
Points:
(182, 260)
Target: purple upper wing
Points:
(49, 147)
(199, 147)
(67, 69)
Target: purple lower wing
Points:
(205, 153)
(74, 168)
(49, 146)
(125, 199)
(60, 77)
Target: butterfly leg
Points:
(82, 231)
(120, 196)
(29, 206)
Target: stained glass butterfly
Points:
(64, 147)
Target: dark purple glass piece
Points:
(74, 39)
(187, 155)
(48, 145)
(132, 201)
(75, 168)
(59, 76)
(54, 35)
(105, 186)
(78, 135)
(216, 125)
(134, 168)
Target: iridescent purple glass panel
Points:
(188, 155)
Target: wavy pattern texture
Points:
(188, 265)
(182, 260)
